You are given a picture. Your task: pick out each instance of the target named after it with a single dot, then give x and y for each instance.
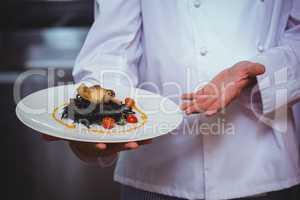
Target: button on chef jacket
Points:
(160, 45)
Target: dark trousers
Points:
(129, 193)
(287, 194)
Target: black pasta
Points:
(82, 111)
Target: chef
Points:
(233, 64)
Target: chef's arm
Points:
(280, 84)
(109, 57)
(112, 49)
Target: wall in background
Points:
(45, 35)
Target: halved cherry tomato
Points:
(108, 122)
(129, 102)
(132, 119)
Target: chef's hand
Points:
(223, 89)
(91, 151)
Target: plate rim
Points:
(19, 114)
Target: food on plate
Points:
(96, 94)
(129, 102)
(97, 105)
(131, 119)
(108, 122)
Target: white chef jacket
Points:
(188, 42)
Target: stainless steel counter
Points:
(40, 48)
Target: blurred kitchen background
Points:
(43, 35)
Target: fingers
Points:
(103, 149)
(144, 142)
(101, 146)
(194, 95)
(185, 105)
(115, 148)
(211, 112)
(135, 145)
(222, 90)
(131, 145)
(188, 96)
(255, 70)
(194, 108)
(49, 138)
(200, 103)
(213, 109)
(208, 107)
(191, 107)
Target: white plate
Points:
(37, 111)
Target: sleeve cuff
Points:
(267, 94)
(266, 89)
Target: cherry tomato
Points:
(108, 123)
(129, 102)
(131, 119)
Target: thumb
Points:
(255, 70)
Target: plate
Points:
(41, 111)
